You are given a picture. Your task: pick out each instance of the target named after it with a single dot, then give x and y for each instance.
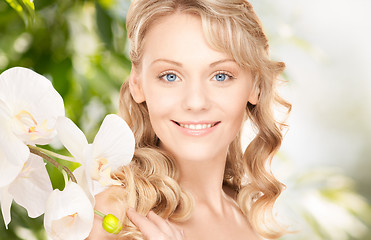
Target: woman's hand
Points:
(155, 227)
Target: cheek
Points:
(160, 102)
(235, 102)
(237, 114)
(161, 107)
(234, 106)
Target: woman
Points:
(199, 70)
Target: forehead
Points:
(178, 36)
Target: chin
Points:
(198, 153)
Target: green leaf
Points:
(29, 3)
(104, 23)
(25, 8)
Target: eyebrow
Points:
(180, 65)
(221, 61)
(167, 61)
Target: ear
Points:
(254, 95)
(135, 86)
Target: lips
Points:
(197, 125)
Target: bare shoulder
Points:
(108, 201)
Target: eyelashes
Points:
(222, 76)
(168, 76)
(219, 76)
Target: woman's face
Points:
(196, 96)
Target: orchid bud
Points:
(111, 224)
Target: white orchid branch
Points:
(37, 151)
(110, 222)
(51, 153)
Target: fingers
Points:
(155, 227)
(165, 226)
(144, 224)
(162, 224)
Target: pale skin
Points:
(185, 82)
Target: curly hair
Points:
(150, 181)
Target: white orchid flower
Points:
(32, 104)
(69, 214)
(30, 189)
(13, 154)
(113, 146)
(29, 108)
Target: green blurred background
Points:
(81, 46)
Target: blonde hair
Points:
(150, 181)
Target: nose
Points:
(196, 96)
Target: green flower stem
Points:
(36, 151)
(70, 159)
(99, 213)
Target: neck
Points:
(204, 180)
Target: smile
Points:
(197, 126)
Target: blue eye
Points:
(220, 77)
(171, 77)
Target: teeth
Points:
(196, 126)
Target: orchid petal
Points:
(13, 155)
(72, 138)
(69, 214)
(85, 182)
(114, 142)
(8, 171)
(34, 104)
(32, 187)
(6, 201)
(5, 112)
(99, 187)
